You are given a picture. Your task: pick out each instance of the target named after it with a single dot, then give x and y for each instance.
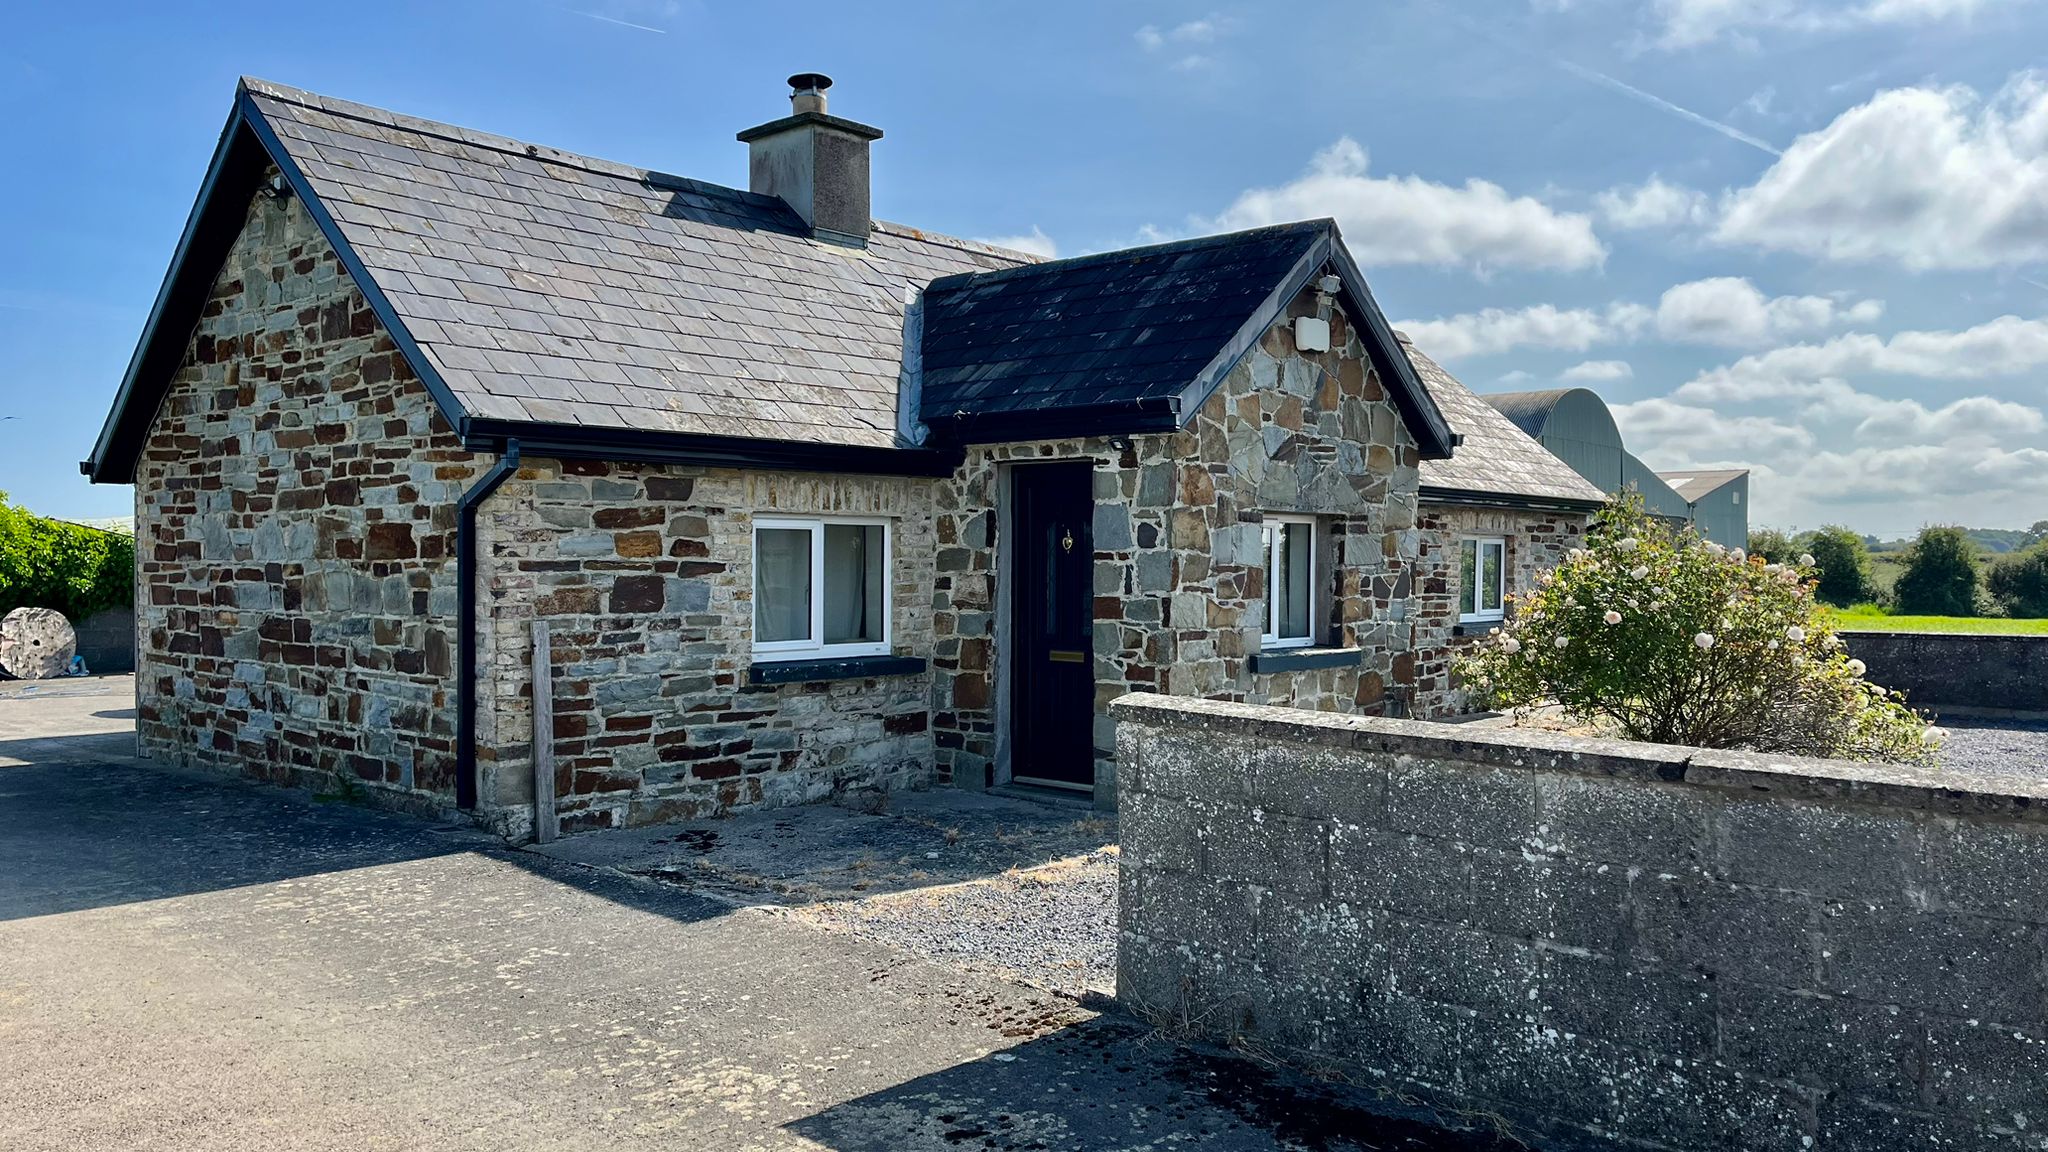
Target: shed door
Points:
(1052, 626)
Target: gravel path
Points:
(1996, 747)
(1053, 926)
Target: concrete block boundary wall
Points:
(1959, 674)
(1596, 944)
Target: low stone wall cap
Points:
(1833, 781)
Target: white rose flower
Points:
(1773, 645)
(1633, 603)
(1656, 604)
(1806, 559)
(1612, 616)
(1560, 642)
(1932, 735)
(1705, 640)
(1856, 667)
(1737, 555)
(1639, 571)
(1510, 645)
(1627, 543)
(1795, 634)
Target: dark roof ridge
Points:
(1119, 255)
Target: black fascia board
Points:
(641, 445)
(1117, 418)
(247, 146)
(380, 304)
(216, 219)
(1428, 494)
(1433, 434)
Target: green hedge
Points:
(50, 564)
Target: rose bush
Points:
(1659, 636)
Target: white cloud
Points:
(1688, 23)
(1035, 242)
(1206, 30)
(1409, 220)
(1492, 331)
(1930, 178)
(1825, 449)
(1651, 204)
(1597, 371)
(2002, 347)
(1730, 311)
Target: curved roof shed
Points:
(1575, 425)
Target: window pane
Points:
(1296, 577)
(782, 584)
(1468, 576)
(1489, 579)
(853, 583)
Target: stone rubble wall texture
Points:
(1536, 541)
(644, 574)
(1604, 944)
(295, 511)
(1179, 564)
(1959, 673)
(296, 597)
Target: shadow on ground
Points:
(1111, 1084)
(823, 852)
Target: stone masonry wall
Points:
(1179, 567)
(295, 516)
(1536, 541)
(645, 575)
(1603, 944)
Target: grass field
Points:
(1869, 618)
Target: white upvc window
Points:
(1482, 579)
(821, 587)
(1290, 581)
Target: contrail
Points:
(616, 20)
(1656, 101)
(1609, 82)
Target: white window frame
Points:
(1480, 612)
(1270, 536)
(814, 647)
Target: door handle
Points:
(1059, 657)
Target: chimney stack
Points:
(815, 163)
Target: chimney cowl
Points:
(814, 162)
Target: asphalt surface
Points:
(187, 962)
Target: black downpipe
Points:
(465, 628)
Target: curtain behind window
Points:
(782, 584)
(853, 583)
(1297, 578)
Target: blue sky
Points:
(1805, 236)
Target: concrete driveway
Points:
(187, 962)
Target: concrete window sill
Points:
(838, 668)
(1306, 659)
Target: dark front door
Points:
(1052, 626)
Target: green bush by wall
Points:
(48, 563)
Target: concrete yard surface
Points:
(187, 962)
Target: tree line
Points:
(1941, 573)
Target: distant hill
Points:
(1993, 541)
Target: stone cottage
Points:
(807, 502)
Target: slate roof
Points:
(553, 287)
(1103, 329)
(1495, 458)
(590, 306)
(1692, 485)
